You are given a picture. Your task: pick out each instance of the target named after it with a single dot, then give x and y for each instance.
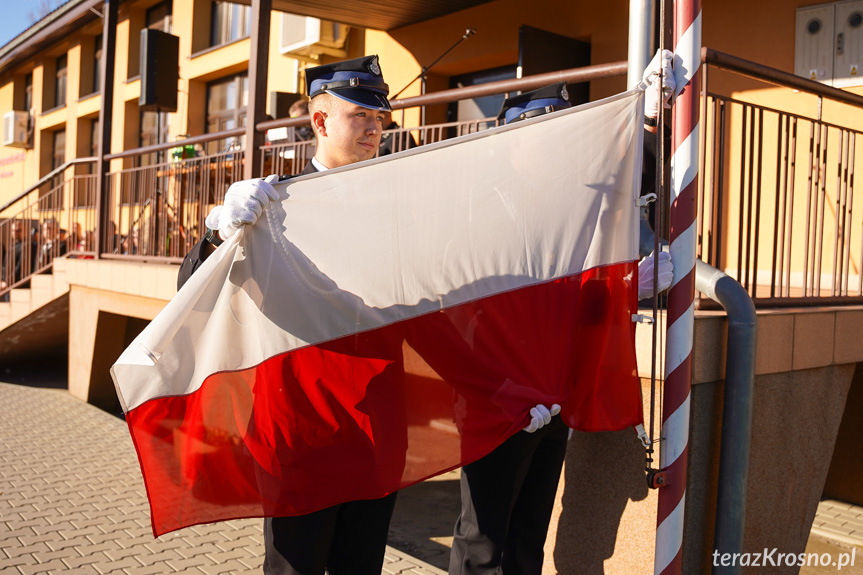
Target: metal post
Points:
(641, 32)
(109, 41)
(258, 68)
(682, 236)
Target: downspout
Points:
(736, 410)
(737, 402)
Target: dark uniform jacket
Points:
(196, 257)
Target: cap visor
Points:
(364, 98)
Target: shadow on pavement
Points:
(424, 517)
(49, 372)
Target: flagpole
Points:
(681, 297)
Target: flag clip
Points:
(639, 318)
(642, 435)
(646, 199)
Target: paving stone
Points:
(397, 567)
(88, 559)
(145, 570)
(62, 554)
(12, 562)
(109, 566)
(181, 564)
(27, 550)
(83, 570)
(149, 558)
(55, 566)
(227, 567)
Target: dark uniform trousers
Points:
(346, 539)
(507, 501)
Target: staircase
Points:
(44, 288)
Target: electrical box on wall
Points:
(15, 129)
(829, 43)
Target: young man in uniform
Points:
(347, 103)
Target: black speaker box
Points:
(160, 70)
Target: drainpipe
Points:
(737, 401)
(736, 411)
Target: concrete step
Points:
(60, 285)
(19, 298)
(5, 313)
(41, 290)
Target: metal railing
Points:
(777, 207)
(156, 212)
(54, 217)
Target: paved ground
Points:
(837, 529)
(839, 521)
(72, 501)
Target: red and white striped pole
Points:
(681, 296)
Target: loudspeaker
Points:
(160, 70)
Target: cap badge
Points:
(374, 68)
(564, 95)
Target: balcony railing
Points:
(776, 187)
(776, 208)
(55, 217)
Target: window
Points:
(58, 158)
(97, 63)
(94, 138)
(227, 100)
(159, 17)
(229, 22)
(60, 82)
(477, 108)
(28, 92)
(58, 149)
(154, 130)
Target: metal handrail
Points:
(45, 180)
(570, 76)
(777, 77)
(202, 139)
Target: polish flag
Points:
(391, 320)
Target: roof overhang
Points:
(375, 14)
(46, 31)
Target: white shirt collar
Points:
(319, 166)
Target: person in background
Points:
(394, 141)
(52, 243)
(301, 133)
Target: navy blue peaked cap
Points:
(358, 81)
(535, 103)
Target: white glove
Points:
(244, 203)
(541, 416)
(662, 62)
(645, 274)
